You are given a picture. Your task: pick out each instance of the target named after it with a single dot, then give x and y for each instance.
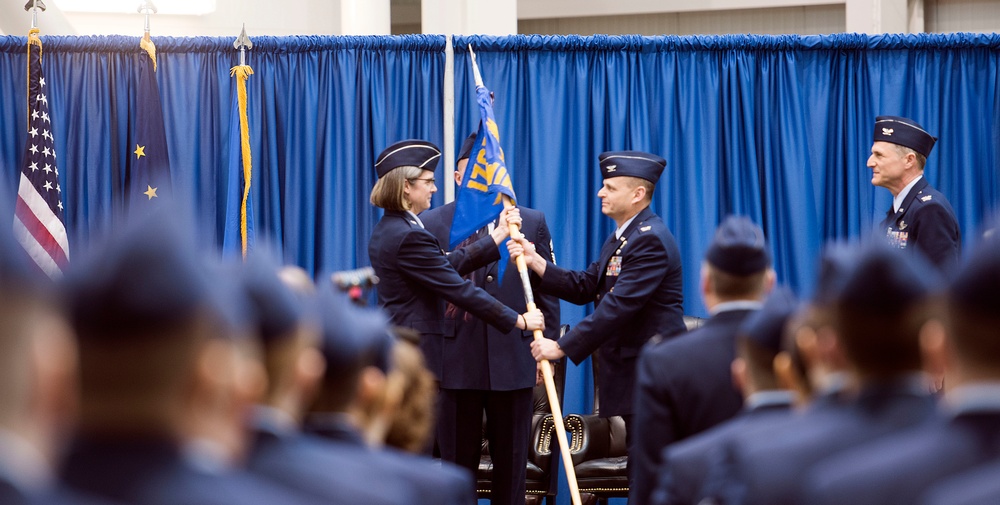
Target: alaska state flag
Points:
(147, 178)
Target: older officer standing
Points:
(487, 369)
(921, 216)
(636, 284)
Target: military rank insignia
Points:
(614, 266)
(897, 239)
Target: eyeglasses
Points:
(428, 181)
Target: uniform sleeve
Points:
(938, 237)
(572, 286)
(640, 276)
(652, 426)
(478, 254)
(547, 303)
(420, 258)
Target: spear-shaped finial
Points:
(34, 6)
(243, 43)
(146, 8)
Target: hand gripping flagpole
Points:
(550, 384)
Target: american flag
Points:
(39, 224)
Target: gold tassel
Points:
(146, 44)
(242, 73)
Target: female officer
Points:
(415, 275)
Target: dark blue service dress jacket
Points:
(684, 387)
(416, 277)
(979, 486)
(685, 464)
(899, 469)
(434, 482)
(771, 465)
(925, 222)
(152, 471)
(637, 290)
(338, 473)
(480, 356)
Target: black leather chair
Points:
(543, 455)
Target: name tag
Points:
(897, 239)
(614, 266)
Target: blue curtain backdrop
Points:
(777, 128)
(324, 108)
(774, 127)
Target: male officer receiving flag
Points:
(921, 217)
(635, 284)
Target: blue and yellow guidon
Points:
(480, 197)
(486, 173)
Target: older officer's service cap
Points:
(147, 279)
(276, 309)
(408, 153)
(905, 132)
(466, 150)
(885, 282)
(631, 163)
(976, 287)
(352, 336)
(739, 247)
(766, 326)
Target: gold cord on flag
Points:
(146, 44)
(242, 73)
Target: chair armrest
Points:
(591, 437)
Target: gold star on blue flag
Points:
(147, 176)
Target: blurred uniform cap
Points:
(739, 247)
(766, 326)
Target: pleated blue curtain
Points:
(774, 127)
(321, 110)
(777, 128)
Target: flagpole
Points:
(550, 383)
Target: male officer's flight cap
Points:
(352, 336)
(738, 247)
(885, 281)
(408, 153)
(146, 279)
(277, 311)
(631, 163)
(905, 132)
(466, 150)
(833, 265)
(766, 326)
(975, 288)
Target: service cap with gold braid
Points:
(631, 163)
(408, 153)
(904, 132)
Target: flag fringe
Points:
(242, 73)
(146, 44)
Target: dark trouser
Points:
(508, 428)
